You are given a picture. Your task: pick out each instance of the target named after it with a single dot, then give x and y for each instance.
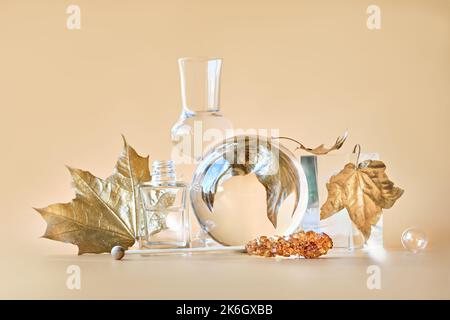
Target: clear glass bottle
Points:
(165, 221)
(200, 125)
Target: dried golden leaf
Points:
(320, 150)
(103, 213)
(82, 224)
(364, 191)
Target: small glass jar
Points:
(164, 221)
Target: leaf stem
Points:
(357, 146)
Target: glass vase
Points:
(200, 125)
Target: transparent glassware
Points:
(200, 125)
(249, 186)
(165, 221)
(414, 240)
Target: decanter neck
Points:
(200, 84)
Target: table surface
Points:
(391, 274)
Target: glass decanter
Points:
(201, 125)
(164, 222)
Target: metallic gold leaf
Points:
(83, 224)
(364, 191)
(104, 212)
(320, 150)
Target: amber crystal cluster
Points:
(308, 244)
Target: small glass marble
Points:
(164, 222)
(414, 240)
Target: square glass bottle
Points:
(164, 221)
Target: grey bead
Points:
(118, 252)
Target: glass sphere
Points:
(414, 240)
(246, 187)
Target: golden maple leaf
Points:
(364, 191)
(104, 212)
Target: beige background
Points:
(309, 68)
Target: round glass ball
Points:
(248, 186)
(414, 240)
